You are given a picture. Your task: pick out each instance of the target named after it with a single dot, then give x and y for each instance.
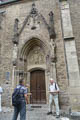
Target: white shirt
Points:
(52, 87)
(1, 90)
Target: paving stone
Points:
(32, 114)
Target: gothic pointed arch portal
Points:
(32, 66)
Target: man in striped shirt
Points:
(21, 108)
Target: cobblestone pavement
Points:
(33, 113)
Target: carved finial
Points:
(33, 14)
(51, 16)
(51, 13)
(1, 17)
(33, 5)
(16, 26)
(33, 1)
(33, 10)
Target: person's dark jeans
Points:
(20, 109)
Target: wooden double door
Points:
(37, 87)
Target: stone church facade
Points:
(40, 40)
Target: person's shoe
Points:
(57, 116)
(54, 114)
(49, 113)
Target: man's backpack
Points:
(55, 86)
(16, 97)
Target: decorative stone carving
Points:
(34, 19)
(34, 16)
(1, 17)
(34, 11)
(51, 57)
(16, 34)
(36, 56)
(53, 51)
(15, 49)
(51, 23)
(48, 61)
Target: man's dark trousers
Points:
(20, 109)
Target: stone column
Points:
(47, 74)
(13, 78)
(15, 49)
(53, 71)
(14, 60)
(52, 59)
(28, 78)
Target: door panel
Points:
(37, 87)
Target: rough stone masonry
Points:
(32, 39)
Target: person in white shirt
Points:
(53, 95)
(1, 91)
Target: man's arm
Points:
(58, 90)
(26, 98)
(54, 91)
(29, 94)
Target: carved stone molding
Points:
(16, 32)
(15, 50)
(51, 56)
(36, 56)
(52, 51)
(51, 23)
(2, 14)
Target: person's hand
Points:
(51, 91)
(54, 92)
(27, 102)
(29, 94)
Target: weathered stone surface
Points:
(66, 20)
(75, 17)
(41, 33)
(72, 49)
